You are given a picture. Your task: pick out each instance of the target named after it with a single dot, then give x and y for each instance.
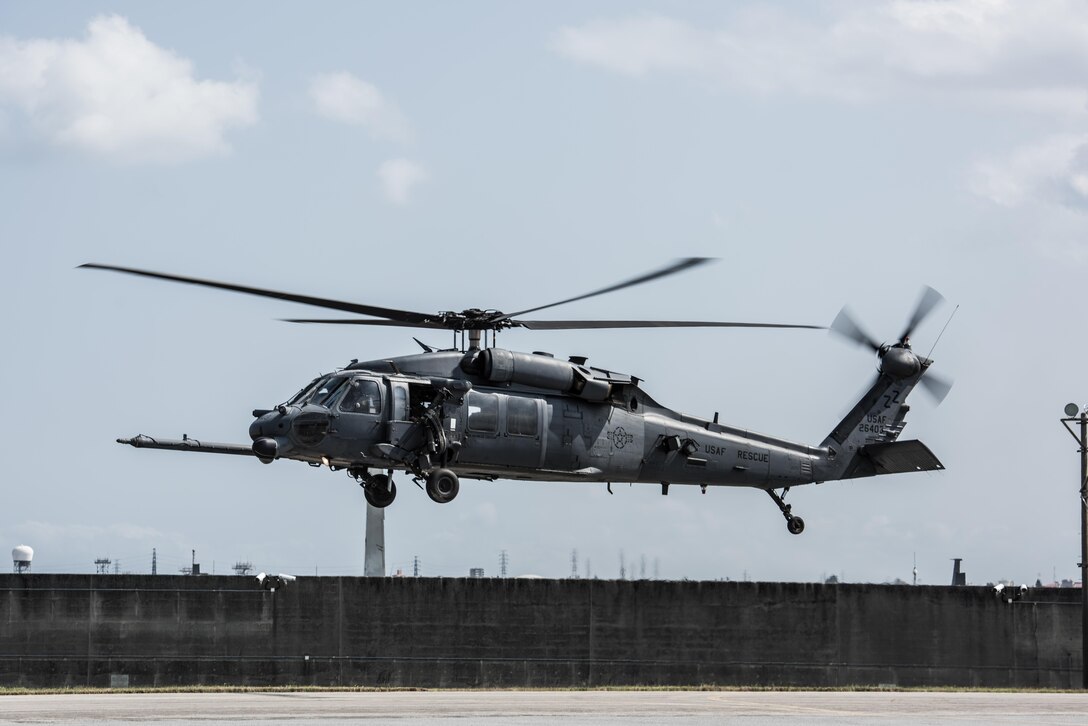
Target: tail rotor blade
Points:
(929, 300)
(845, 325)
(935, 386)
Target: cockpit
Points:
(350, 395)
(319, 392)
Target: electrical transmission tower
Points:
(415, 566)
(102, 566)
(574, 564)
(504, 560)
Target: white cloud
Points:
(343, 97)
(1028, 55)
(118, 95)
(399, 177)
(1052, 170)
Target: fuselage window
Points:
(521, 417)
(483, 413)
(362, 397)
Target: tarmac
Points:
(539, 707)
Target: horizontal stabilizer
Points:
(897, 457)
(186, 444)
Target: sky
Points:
(438, 156)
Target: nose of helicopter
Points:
(268, 430)
(265, 449)
(270, 423)
(288, 427)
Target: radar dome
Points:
(21, 557)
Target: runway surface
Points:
(576, 707)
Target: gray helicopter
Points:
(477, 411)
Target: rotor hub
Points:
(899, 361)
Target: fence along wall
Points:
(102, 630)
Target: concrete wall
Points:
(75, 630)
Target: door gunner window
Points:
(362, 397)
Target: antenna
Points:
(938, 340)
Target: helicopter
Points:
(478, 411)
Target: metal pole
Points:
(1082, 441)
(1084, 548)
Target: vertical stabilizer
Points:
(871, 426)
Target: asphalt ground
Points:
(577, 707)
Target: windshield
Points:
(305, 393)
(320, 392)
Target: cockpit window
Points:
(305, 393)
(327, 391)
(321, 392)
(363, 396)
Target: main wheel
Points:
(380, 491)
(795, 525)
(443, 485)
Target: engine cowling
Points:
(498, 365)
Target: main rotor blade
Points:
(929, 300)
(678, 266)
(594, 324)
(845, 325)
(404, 316)
(360, 321)
(935, 386)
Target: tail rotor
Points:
(897, 359)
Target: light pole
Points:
(1073, 413)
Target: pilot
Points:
(362, 398)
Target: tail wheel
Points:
(443, 485)
(380, 491)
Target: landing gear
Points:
(442, 485)
(378, 489)
(795, 525)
